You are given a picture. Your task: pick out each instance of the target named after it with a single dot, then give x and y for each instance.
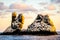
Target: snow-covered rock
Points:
(40, 23)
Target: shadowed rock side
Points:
(9, 29)
(42, 25)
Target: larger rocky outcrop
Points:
(41, 23)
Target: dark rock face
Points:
(41, 23)
(16, 21)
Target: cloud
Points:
(2, 6)
(22, 7)
(51, 7)
(55, 1)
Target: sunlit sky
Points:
(29, 2)
(34, 3)
(37, 4)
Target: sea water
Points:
(29, 37)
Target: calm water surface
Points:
(29, 37)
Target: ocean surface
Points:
(29, 37)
